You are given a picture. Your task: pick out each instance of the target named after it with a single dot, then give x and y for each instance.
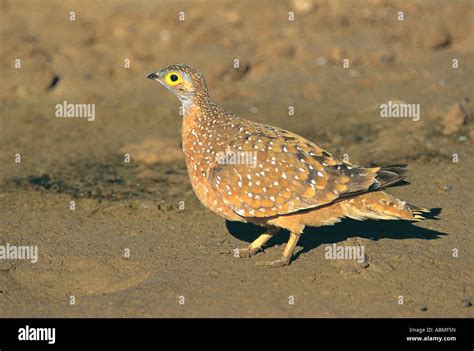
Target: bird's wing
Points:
(271, 171)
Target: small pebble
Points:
(423, 308)
(303, 7)
(253, 109)
(321, 61)
(466, 303)
(335, 55)
(454, 120)
(354, 73)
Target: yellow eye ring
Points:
(173, 78)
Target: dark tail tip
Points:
(424, 213)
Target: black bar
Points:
(353, 334)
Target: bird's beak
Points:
(153, 76)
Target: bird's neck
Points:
(192, 113)
(199, 107)
(186, 103)
(201, 118)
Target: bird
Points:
(251, 172)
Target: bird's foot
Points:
(283, 261)
(256, 245)
(245, 252)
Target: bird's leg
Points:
(257, 244)
(287, 253)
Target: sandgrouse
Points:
(285, 182)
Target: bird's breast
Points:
(200, 151)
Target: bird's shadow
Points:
(347, 228)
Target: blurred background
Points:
(290, 53)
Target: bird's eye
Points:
(173, 78)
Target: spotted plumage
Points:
(251, 172)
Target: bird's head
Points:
(185, 82)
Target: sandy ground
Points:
(185, 255)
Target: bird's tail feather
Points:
(391, 175)
(380, 205)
